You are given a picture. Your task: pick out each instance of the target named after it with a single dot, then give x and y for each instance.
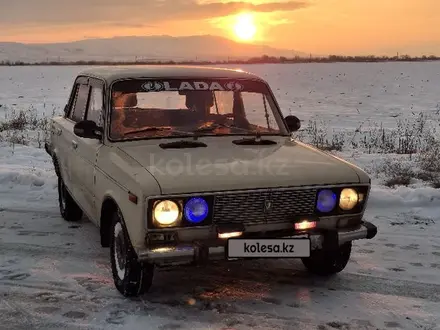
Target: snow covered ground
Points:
(54, 274)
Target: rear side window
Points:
(80, 103)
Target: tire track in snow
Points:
(73, 251)
(35, 211)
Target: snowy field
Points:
(383, 117)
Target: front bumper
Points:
(200, 252)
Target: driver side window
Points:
(95, 108)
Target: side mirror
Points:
(293, 123)
(87, 129)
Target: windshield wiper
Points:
(257, 140)
(148, 129)
(158, 129)
(212, 127)
(245, 141)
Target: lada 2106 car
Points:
(179, 165)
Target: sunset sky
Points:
(315, 26)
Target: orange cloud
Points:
(129, 12)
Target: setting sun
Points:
(244, 27)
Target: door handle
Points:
(74, 144)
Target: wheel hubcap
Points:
(120, 254)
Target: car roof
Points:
(113, 73)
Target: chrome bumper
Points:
(366, 231)
(197, 253)
(182, 254)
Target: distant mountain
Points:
(141, 48)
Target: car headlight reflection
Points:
(166, 213)
(348, 199)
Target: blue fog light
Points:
(196, 210)
(327, 200)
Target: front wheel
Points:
(131, 277)
(328, 262)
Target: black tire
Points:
(131, 277)
(325, 263)
(70, 211)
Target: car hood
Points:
(223, 165)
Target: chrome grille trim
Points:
(250, 207)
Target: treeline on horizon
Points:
(265, 59)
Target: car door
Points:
(59, 137)
(64, 132)
(86, 151)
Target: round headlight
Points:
(196, 210)
(166, 212)
(349, 199)
(327, 200)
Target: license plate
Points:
(268, 248)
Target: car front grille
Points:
(251, 207)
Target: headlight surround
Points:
(166, 213)
(348, 199)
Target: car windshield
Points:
(166, 108)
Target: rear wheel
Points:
(69, 209)
(131, 277)
(328, 262)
